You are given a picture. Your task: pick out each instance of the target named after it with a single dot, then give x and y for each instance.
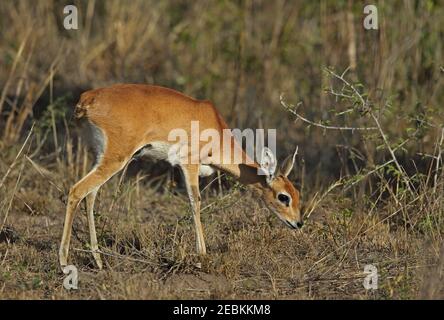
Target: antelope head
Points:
(278, 193)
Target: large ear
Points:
(288, 164)
(268, 164)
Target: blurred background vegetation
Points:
(242, 55)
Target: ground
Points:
(146, 235)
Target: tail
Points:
(81, 109)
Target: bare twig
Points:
(314, 203)
(369, 174)
(365, 106)
(292, 109)
(115, 255)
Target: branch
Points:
(292, 109)
(378, 125)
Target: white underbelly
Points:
(205, 170)
(155, 151)
(161, 151)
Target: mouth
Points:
(290, 225)
(293, 225)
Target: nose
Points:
(295, 224)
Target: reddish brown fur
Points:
(131, 116)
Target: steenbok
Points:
(128, 120)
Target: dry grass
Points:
(148, 243)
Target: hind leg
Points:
(90, 199)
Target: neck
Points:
(245, 172)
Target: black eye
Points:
(284, 198)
